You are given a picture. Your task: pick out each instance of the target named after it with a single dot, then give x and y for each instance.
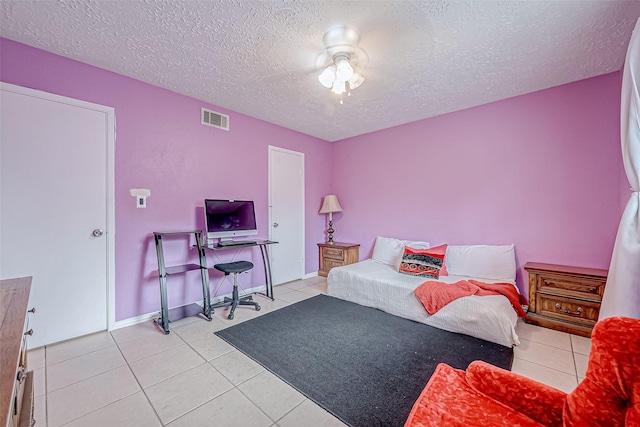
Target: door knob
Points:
(275, 225)
(97, 232)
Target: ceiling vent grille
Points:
(217, 120)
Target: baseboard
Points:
(134, 320)
(149, 316)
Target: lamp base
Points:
(330, 232)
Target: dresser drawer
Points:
(333, 253)
(568, 286)
(567, 309)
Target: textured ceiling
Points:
(426, 58)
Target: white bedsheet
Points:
(376, 285)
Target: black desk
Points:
(166, 315)
(265, 259)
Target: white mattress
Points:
(377, 285)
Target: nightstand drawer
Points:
(565, 298)
(570, 310)
(330, 263)
(570, 286)
(336, 255)
(333, 253)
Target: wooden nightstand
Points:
(337, 255)
(565, 298)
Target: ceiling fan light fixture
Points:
(355, 80)
(340, 61)
(338, 87)
(327, 77)
(344, 70)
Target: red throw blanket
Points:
(434, 295)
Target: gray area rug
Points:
(364, 366)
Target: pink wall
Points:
(161, 145)
(541, 171)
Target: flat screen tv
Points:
(229, 218)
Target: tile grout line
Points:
(273, 422)
(548, 345)
(87, 378)
(83, 354)
(137, 381)
(575, 365)
(208, 362)
(118, 400)
(544, 366)
(117, 345)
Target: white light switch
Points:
(141, 195)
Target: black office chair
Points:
(235, 268)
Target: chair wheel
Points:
(230, 317)
(258, 307)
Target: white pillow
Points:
(482, 261)
(388, 250)
(416, 244)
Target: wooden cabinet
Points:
(16, 381)
(337, 255)
(565, 298)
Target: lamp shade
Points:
(330, 204)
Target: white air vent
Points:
(217, 120)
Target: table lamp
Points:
(330, 205)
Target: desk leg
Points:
(267, 272)
(164, 317)
(206, 293)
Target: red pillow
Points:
(440, 250)
(421, 262)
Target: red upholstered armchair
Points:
(485, 395)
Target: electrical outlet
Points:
(141, 202)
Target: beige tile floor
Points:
(138, 377)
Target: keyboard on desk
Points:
(236, 243)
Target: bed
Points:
(377, 283)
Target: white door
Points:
(53, 195)
(286, 214)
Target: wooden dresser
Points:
(337, 255)
(16, 382)
(565, 298)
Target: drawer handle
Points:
(33, 310)
(29, 332)
(577, 312)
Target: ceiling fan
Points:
(342, 61)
